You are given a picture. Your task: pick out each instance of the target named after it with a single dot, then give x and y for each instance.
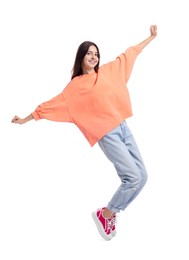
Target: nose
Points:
(93, 55)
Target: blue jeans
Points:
(121, 149)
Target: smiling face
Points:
(90, 60)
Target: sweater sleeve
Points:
(126, 60)
(55, 109)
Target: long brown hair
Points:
(81, 52)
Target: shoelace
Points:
(108, 224)
(113, 221)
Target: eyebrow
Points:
(92, 52)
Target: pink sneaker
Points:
(103, 224)
(113, 225)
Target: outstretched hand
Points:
(153, 30)
(18, 120)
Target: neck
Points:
(88, 71)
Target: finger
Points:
(15, 119)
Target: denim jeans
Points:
(121, 149)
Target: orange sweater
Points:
(96, 102)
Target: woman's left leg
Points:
(120, 148)
(136, 155)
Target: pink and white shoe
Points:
(104, 225)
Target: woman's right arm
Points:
(55, 109)
(18, 120)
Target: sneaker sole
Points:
(100, 227)
(113, 233)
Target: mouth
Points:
(93, 62)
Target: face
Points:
(90, 60)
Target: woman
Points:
(97, 101)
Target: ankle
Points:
(106, 213)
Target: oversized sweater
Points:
(97, 102)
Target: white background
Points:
(50, 178)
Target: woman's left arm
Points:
(153, 34)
